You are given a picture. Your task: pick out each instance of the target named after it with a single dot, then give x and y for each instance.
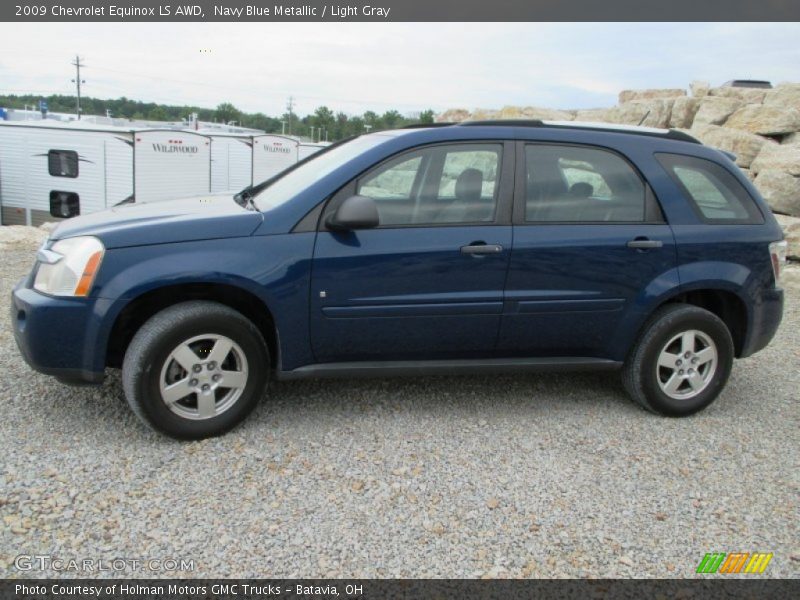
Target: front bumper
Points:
(57, 336)
(765, 319)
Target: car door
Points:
(589, 239)
(427, 283)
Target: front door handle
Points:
(642, 243)
(480, 248)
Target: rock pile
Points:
(760, 126)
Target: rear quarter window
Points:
(714, 193)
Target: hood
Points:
(188, 219)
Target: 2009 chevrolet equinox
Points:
(461, 248)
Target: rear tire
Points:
(681, 362)
(195, 370)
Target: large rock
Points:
(765, 119)
(482, 114)
(453, 115)
(533, 112)
(746, 146)
(786, 95)
(791, 231)
(746, 95)
(593, 115)
(700, 88)
(683, 111)
(715, 110)
(647, 113)
(778, 157)
(628, 95)
(780, 190)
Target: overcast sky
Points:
(408, 66)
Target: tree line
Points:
(325, 122)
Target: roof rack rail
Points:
(427, 125)
(670, 134)
(504, 123)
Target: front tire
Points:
(681, 361)
(195, 370)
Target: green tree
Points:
(391, 119)
(227, 112)
(426, 117)
(157, 113)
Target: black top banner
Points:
(400, 10)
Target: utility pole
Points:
(312, 133)
(289, 107)
(78, 81)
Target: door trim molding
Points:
(448, 367)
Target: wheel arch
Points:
(138, 309)
(721, 301)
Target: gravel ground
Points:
(523, 476)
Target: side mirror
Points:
(357, 212)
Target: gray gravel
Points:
(540, 475)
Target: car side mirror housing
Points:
(357, 212)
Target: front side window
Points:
(294, 180)
(713, 191)
(62, 163)
(581, 185)
(438, 185)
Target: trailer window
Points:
(62, 163)
(64, 204)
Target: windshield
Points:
(296, 180)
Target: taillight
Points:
(777, 252)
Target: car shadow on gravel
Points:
(317, 402)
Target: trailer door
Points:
(231, 163)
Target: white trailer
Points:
(50, 171)
(170, 164)
(272, 154)
(231, 161)
(307, 149)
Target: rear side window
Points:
(581, 185)
(62, 163)
(715, 194)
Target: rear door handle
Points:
(481, 249)
(645, 244)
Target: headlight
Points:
(69, 267)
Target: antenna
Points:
(647, 114)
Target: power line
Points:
(77, 81)
(289, 107)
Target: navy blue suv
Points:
(468, 248)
